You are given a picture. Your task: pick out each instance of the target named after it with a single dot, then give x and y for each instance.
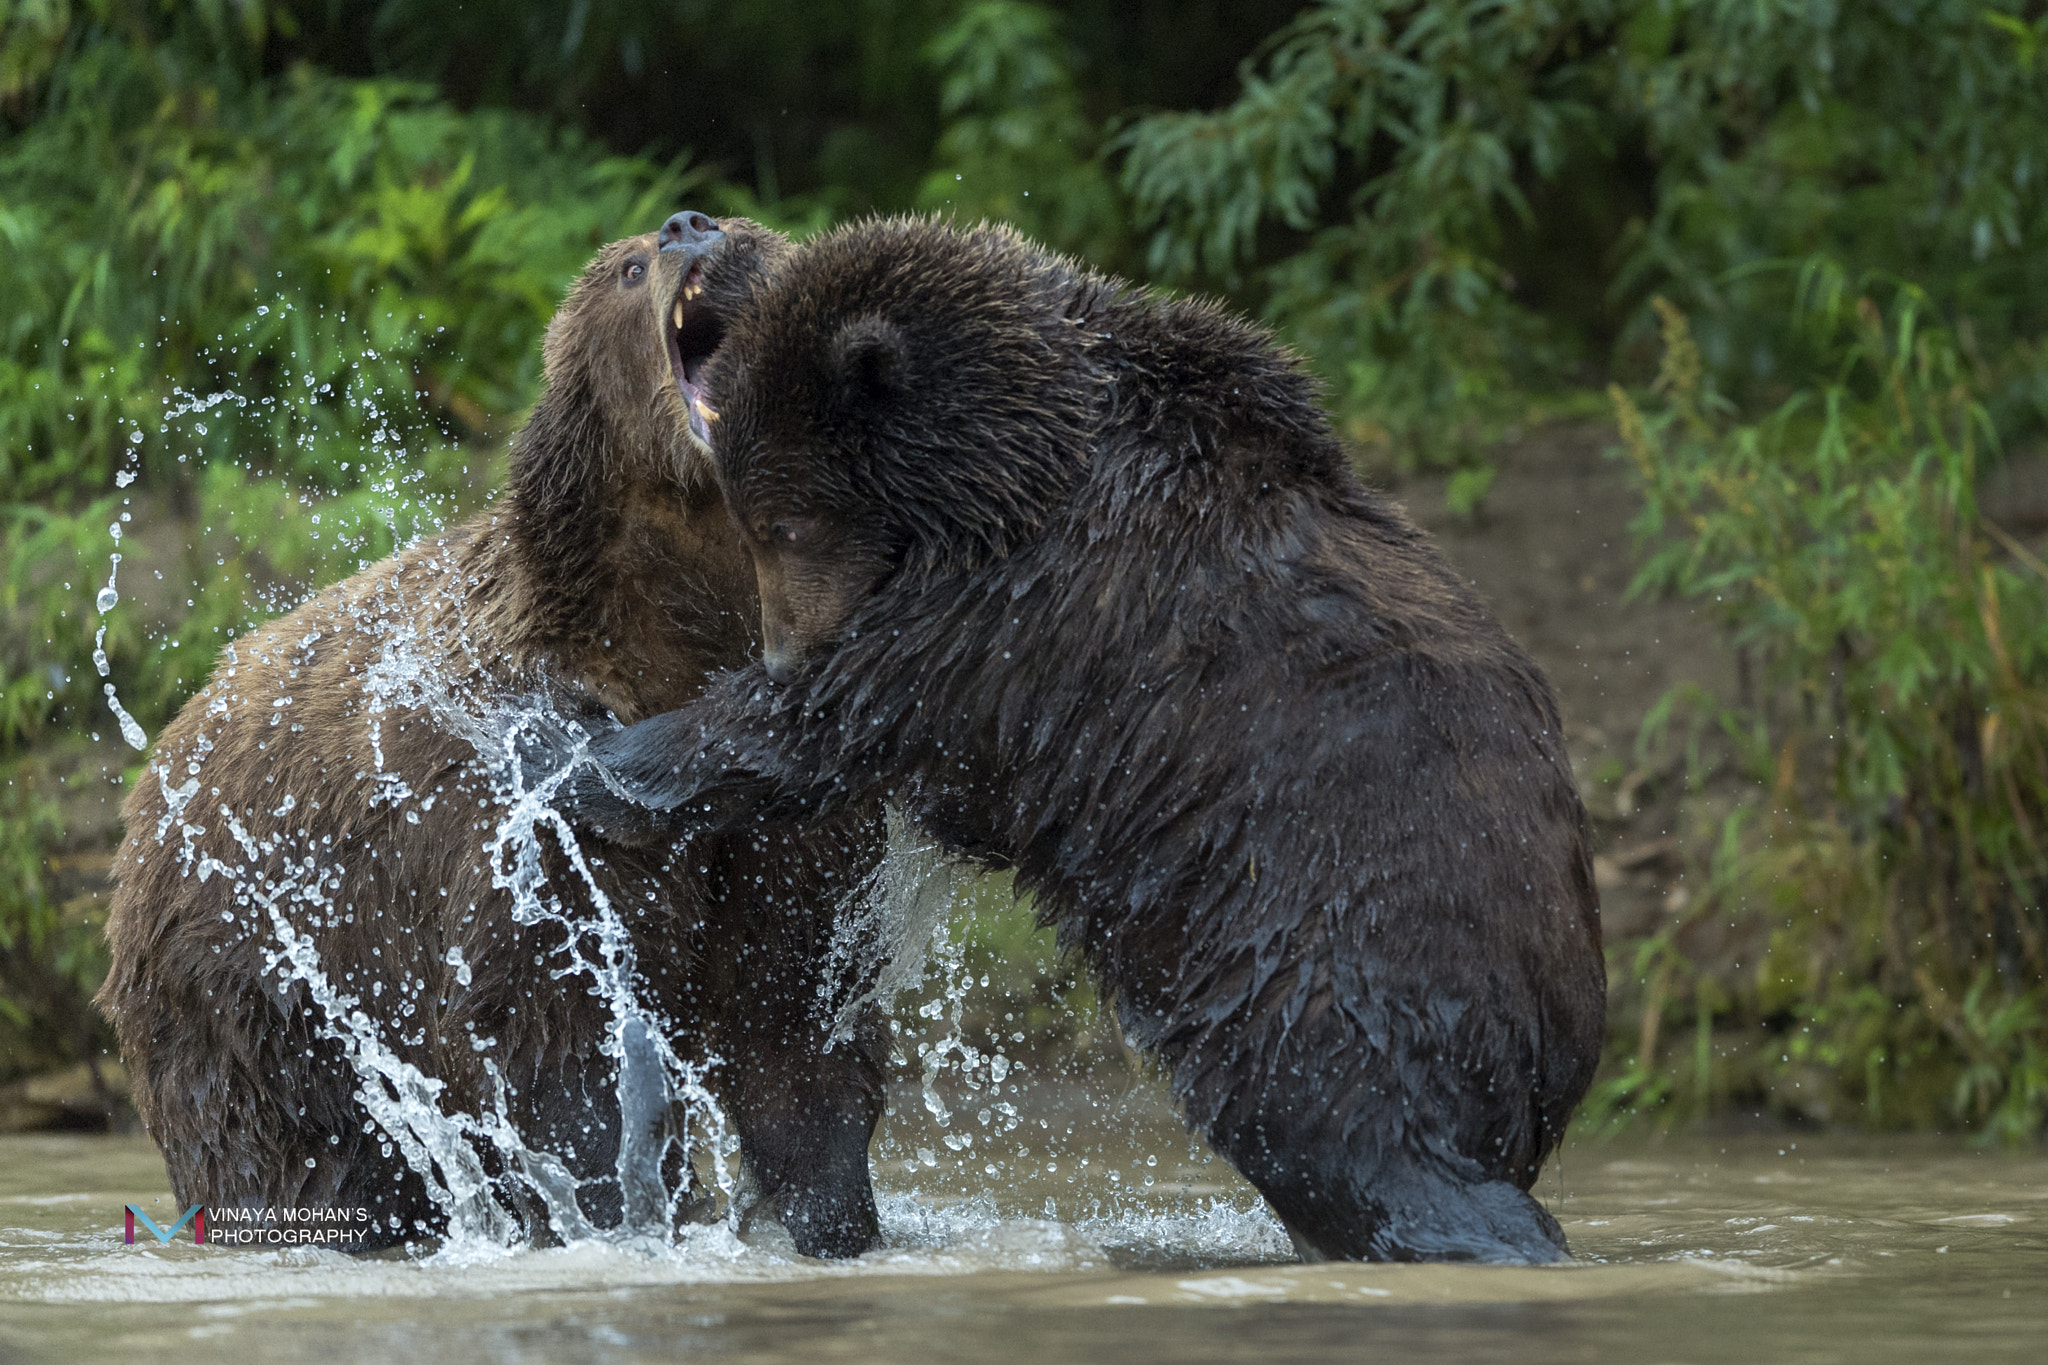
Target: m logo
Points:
(197, 1215)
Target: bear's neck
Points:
(554, 552)
(608, 573)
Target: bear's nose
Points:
(689, 231)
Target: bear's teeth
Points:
(679, 313)
(691, 291)
(704, 410)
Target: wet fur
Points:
(1267, 763)
(606, 577)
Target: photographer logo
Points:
(307, 1225)
(196, 1215)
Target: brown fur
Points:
(607, 575)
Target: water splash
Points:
(888, 932)
(407, 1109)
(284, 884)
(131, 729)
(109, 597)
(651, 1079)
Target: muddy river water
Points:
(1094, 1231)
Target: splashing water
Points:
(904, 920)
(651, 1078)
(888, 931)
(285, 885)
(108, 598)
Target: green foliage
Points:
(834, 105)
(823, 103)
(1448, 204)
(1394, 138)
(1905, 136)
(1896, 856)
(1017, 147)
(256, 333)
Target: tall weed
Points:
(1891, 866)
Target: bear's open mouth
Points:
(694, 331)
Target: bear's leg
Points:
(805, 1118)
(804, 1101)
(1398, 1207)
(516, 1033)
(1371, 1144)
(254, 1111)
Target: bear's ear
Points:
(869, 359)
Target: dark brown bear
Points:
(332, 772)
(1078, 575)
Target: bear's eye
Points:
(783, 531)
(634, 270)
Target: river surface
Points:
(1101, 1235)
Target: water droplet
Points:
(130, 729)
(106, 600)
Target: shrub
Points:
(1890, 868)
(1451, 205)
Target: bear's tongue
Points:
(701, 413)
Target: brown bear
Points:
(325, 803)
(1078, 575)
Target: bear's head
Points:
(901, 399)
(613, 512)
(621, 408)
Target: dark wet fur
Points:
(1269, 766)
(609, 574)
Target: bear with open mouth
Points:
(1078, 575)
(326, 785)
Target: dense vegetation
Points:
(272, 274)
(1885, 882)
